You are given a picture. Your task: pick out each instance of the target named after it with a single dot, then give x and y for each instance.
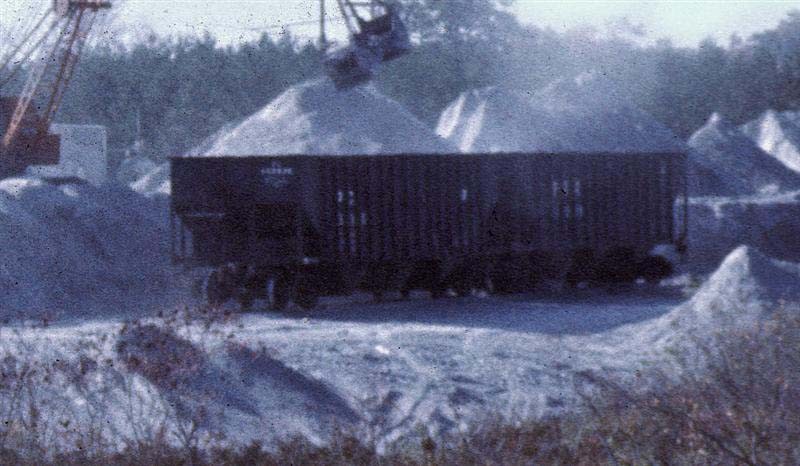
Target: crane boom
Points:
(48, 77)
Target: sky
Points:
(685, 23)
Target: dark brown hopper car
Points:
(298, 227)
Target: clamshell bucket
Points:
(386, 35)
(353, 65)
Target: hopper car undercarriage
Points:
(294, 228)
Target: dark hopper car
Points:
(299, 227)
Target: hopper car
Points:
(295, 228)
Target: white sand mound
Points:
(498, 120)
(79, 249)
(778, 134)
(739, 165)
(745, 289)
(604, 119)
(133, 168)
(159, 355)
(155, 183)
(207, 143)
(182, 372)
(315, 118)
(302, 401)
(584, 114)
(232, 386)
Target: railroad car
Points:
(297, 227)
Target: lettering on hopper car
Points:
(276, 175)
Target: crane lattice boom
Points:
(56, 51)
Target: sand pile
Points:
(585, 114)
(133, 168)
(231, 388)
(315, 118)
(748, 197)
(206, 144)
(162, 357)
(769, 222)
(155, 183)
(746, 288)
(497, 120)
(729, 163)
(79, 249)
(602, 118)
(778, 134)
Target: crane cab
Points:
(31, 145)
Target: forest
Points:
(162, 95)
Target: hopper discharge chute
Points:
(351, 66)
(377, 35)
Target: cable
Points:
(309, 22)
(82, 37)
(25, 40)
(30, 52)
(347, 18)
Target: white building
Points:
(83, 154)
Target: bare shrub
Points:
(159, 355)
(38, 415)
(176, 367)
(740, 407)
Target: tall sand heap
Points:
(498, 120)
(584, 114)
(748, 287)
(78, 249)
(778, 134)
(315, 118)
(737, 165)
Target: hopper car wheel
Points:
(465, 279)
(437, 289)
(655, 268)
(377, 280)
(582, 268)
(245, 301)
(618, 267)
(510, 275)
(305, 294)
(469, 279)
(306, 300)
(217, 289)
(277, 293)
(462, 288)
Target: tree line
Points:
(164, 95)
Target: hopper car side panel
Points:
(397, 209)
(362, 212)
